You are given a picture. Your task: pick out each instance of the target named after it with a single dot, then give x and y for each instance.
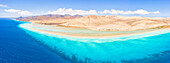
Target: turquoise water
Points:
(146, 48)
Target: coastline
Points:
(97, 37)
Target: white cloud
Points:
(156, 12)
(12, 10)
(2, 5)
(140, 11)
(63, 11)
(20, 12)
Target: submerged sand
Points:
(85, 33)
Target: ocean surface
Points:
(18, 47)
(20, 44)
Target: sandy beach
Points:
(79, 35)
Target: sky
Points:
(149, 8)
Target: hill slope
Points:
(105, 23)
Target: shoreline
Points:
(97, 37)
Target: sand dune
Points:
(108, 23)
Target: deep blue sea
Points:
(18, 47)
(20, 44)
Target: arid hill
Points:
(107, 23)
(47, 17)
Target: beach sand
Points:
(93, 35)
